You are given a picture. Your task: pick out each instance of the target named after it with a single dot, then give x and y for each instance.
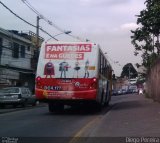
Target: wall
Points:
(153, 82)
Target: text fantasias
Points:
(68, 48)
(67, 51)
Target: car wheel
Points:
(14, 105)
(55, 107)
(24, 104)
(2, 105)
(35, 103)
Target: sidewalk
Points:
(131, 116)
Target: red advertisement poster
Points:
(67, 51)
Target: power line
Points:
(17, 15)
(113, 61)
(31, 7)
(41, 16)
(26, 21)
(47, 20)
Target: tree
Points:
(146, 37)
(129, 71)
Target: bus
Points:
(71, 73)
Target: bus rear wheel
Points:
(55, 107)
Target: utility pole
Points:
(129, 74)
(37, 33)
(36, 46)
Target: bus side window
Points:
(100, 61)
(105, 67)
(101, 64)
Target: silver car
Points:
(119, 91)
(16, 96)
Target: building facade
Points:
(18, 59)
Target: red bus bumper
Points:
(66, 95)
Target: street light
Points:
(65, 32)
(87, 40)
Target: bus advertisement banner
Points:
(68, 61)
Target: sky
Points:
(106, 22)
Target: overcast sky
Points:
(106, 22)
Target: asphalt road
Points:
(127, 116)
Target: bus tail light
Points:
(38, 80)
(94, 79)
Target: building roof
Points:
(12, 35)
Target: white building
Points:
(17, 54)
(132, 81)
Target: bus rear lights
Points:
(38, 78)
(94, 79)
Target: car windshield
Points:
(9, 90)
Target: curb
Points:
(8, 110)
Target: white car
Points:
(119, 91)
(16, 96)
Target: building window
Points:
(15, 52)
(28, 48)
(0, 47)
(0, 41)
(22, 51)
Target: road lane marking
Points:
(79, 134)
(77, 137)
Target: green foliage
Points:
(146, 38)
(129, 71)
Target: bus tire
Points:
(108, 98)
(102, 102)
(24, 104)
(106, 103)
(98, 107)
(50, 107)
(55, 107)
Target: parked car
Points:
(134, 89)
(124, 91)
(114, 92)
(16, 96)
(129, 91)
(119, 91)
